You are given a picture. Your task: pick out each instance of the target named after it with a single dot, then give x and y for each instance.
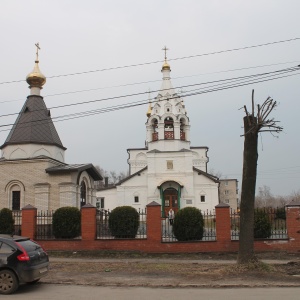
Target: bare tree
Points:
(216, 173)
(253, 124)
(113, 177)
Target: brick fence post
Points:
(154, 222)
(223, 223)
(293, 224)
(88, 222)
(28, 227)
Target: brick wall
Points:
(153, 244)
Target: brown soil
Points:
(193, 270)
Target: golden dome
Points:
(36, 78)
(166, 66)
(149, 110)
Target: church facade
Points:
(32, 164)
(168, 170)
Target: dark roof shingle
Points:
(34, 125)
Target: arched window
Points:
(154, 127)
(82, 193)
(15, 192)
(169, 128)
(16, 197)
(182, 132)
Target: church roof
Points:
(89, 168)
(34, 125)
(210, 176)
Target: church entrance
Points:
(170, 200)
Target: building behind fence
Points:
(155, 234)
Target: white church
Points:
(168, 170)
(33, 170)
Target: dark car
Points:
(21, 261)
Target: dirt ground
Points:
(182, 270)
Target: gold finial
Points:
(165, 66)
(165, 49)
(36, 78)
(149, 108)
(37, 51)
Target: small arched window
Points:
(154, 133)
(82, 193)
(182, 132)
(154, 124)
(169, 128)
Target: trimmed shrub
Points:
(188, 224)
(6, 221)
(262, 224)
(123, 222)
(66, 222)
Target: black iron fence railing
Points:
(44, 230)
(17, 216)
(274, 220)
(103, 231)
(209, 230)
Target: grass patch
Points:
(253, 266)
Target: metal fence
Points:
(276, 217)
(103, 231)
(209, 232)
(44, 230)
(17, 216)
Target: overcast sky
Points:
(81, 36)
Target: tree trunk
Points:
(246, 249)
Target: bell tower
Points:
(168, 127)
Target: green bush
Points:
(66, 222)
(123, 222)
(262, 224)
(188, 224)
(6, 221)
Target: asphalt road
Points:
(74, 292)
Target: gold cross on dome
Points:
(165, 49)
(37, 50)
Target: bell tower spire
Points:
(167, 125)
(36, 79)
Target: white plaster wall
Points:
(135, 186)
(110, 198)
(205, 186)
(19, 151)
(137, 160)
(168, 145)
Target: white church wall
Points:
(132, 188)
(21, 151)
(200, 158)
(137, 160)
(207, 188)
(109, 198)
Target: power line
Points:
(143, 102)
(292, 69)
(152, 81)
(160, 61)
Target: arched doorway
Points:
(170, 200)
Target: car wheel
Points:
(8, 282)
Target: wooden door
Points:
(171, 200)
